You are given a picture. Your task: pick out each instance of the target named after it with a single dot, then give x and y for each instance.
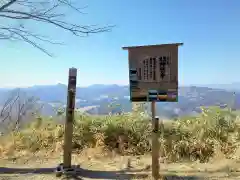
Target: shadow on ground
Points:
(92, 174)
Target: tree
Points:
(18, 109)
(51, 12)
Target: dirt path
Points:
(42, 167)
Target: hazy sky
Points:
(209, 29)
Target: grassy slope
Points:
(213, 135)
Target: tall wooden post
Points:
(72, 79)
(155, 143)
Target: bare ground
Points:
(95, 166)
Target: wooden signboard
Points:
(153, 72)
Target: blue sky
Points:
(210, 31)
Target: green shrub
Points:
(189, 138)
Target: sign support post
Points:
(72, 79)
(153, 77)
(155, 143)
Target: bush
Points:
(189, 138)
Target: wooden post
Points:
(155, 143)
(72, 79)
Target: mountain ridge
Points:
(99, 96)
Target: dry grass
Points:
(199, 138)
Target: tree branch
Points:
(4, 6)
(45, 12)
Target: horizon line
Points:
(41, 85)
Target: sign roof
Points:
(156, 45)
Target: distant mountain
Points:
(96, 99)
(229, 87)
